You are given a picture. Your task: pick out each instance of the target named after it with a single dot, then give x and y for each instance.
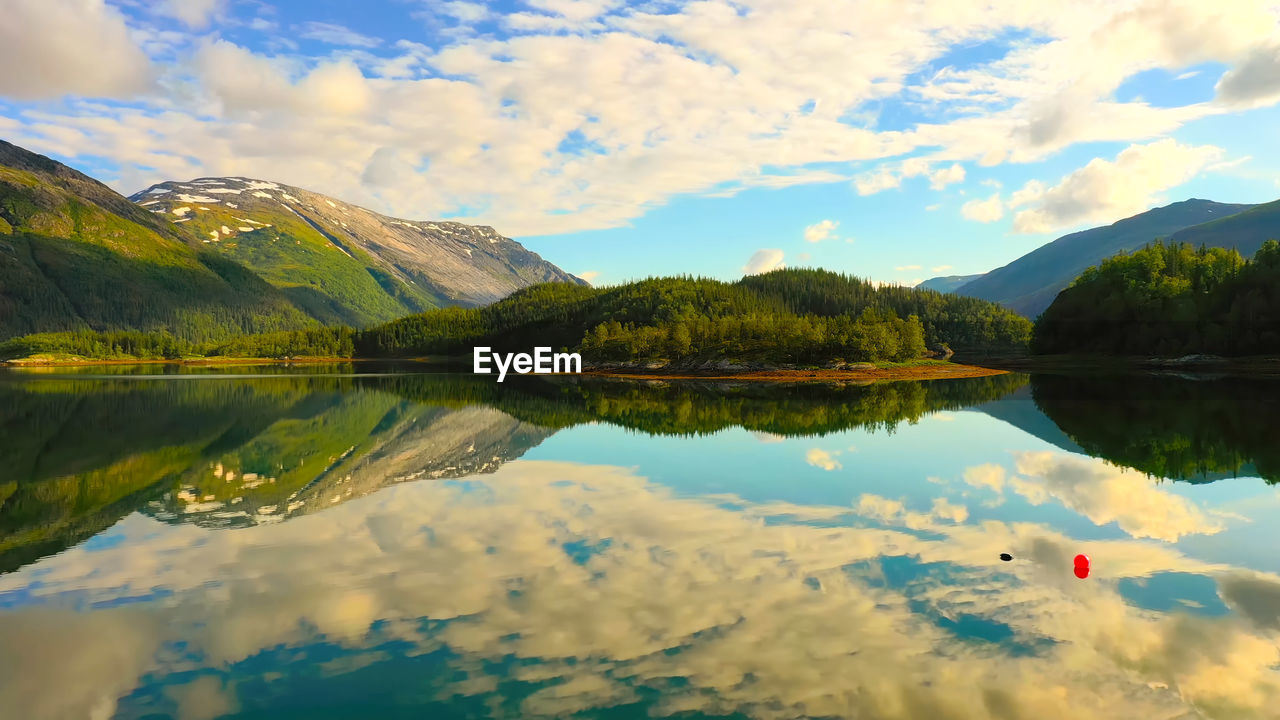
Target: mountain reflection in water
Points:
(375, 546)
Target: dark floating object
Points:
(1006, 557)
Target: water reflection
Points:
(81, 453)
(1198, 430)
(1098, 491)
(552, 588)
(428, 546)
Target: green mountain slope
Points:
(1243, 232)
(74, 255)
(341, 263)
(948, 283)
(1169, 300)
(1029, 284)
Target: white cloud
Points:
(575, 10)
(194, 13)
(886, 177)
(877, 181)
(1187, 75)
(820, 458)
(940, 268)
(819, 231)
(337, 35)
(262, 24)
(762, 261)
(983, 211)
(904, 268)
(51, 48)
(589, 275)
(939, 179)
(703, 98)
(989, 476)
(246, 84)
(1104, 191)
(1032, 191)
(467, 12)
(1254, 82)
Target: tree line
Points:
(1169, 299)
(784, 317)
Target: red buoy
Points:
(1082, 566)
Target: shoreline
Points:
(935, 370)
(965, 367)
(1255, 365)
(196, 362)
(939, 371)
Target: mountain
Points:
(75, 255)
(228, 454)
(413, 442)
(947, 283)
(1244, 231)
(341, 263)
(1028, 284)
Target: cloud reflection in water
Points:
(592, 587)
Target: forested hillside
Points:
(222, 257)
(1169, 300)
(784, 316)
(1244, 232)
(788, 317)
(961, 322)
(1030, 283)
(76, 255)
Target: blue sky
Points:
(895, 141)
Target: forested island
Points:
(782, 318)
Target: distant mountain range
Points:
(1029, 284)
(222, 256)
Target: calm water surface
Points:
(289, 544)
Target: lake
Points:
(375, 542)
